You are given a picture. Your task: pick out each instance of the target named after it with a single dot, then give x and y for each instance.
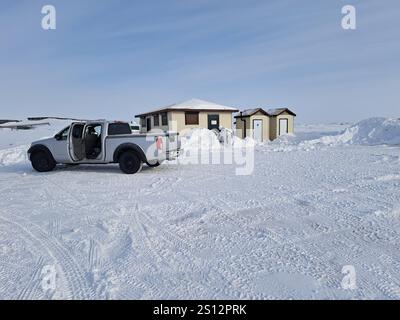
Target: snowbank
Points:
(207, 140)
(228, 138)
(373, 131)
(199, 139)
(13, 155)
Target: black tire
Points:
(130, 163)
(42, 161)
(153, 165)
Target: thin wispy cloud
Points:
(114, 59)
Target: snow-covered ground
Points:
(316, 202)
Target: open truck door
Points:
(77, 144)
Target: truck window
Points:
(119, 128)
(64, 134)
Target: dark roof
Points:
(269, 113)
(279, 111)
(251, 112)
(2, 121)
(52, 118)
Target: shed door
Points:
(258, 130)
(283, 126)
(213, 121)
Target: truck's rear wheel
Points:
(42, 161)
(130, 163)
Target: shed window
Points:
(143, 122)
(156, 120)
(164, 119)
(191, 118)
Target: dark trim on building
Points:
(255, 111)
(184, 110)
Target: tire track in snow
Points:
(32, 288)
(188, 259)
(71, 270)
(182, 256)
(94, 255)
(296, 247)
(130, 262)
(245, 291)
(153, 257)
(148, 251)
(187, 251)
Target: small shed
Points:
(281, 122)
(254, 123)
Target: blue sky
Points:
(116, 58)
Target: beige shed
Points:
(190, 114)
(281, 122)
(264, 125)
(254, 123)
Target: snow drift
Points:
(13, 155)
(207, 140)
(199, 139)
(373, 131)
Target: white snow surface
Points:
(198, 104)
(312, 206)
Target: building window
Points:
(143, 120)
(191, 118)
(156, 119)
(164, 119)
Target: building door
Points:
(283, 126)
(258, 130)
(213, 121)
(148, 123)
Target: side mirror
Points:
(58, 136)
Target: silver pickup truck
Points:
(103, 142)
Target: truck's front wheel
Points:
(42, 162)
(130, 163)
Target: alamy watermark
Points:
(48, 279)
(349, 20)
(349, 281)
(206, 148)
(49, 21)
